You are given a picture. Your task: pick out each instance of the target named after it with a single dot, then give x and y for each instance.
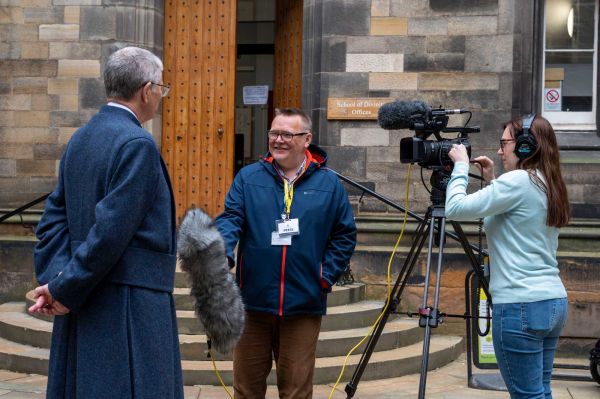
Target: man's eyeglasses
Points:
(285, 136)
(164, 89)
(503, 142)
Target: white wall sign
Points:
(255, 95)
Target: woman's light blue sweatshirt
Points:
(522, 248)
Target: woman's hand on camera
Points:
(486, 166)
(458, 153)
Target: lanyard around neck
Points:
(288, 196)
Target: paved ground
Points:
(449, 382)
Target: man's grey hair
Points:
(128, 69)
(306, 121)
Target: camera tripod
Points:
(432, 226)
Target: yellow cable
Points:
(387, 302)
(219, 375)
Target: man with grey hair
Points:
(106, 255)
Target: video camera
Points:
(418, 116)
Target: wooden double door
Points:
(198, 115)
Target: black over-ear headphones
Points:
(526, 144)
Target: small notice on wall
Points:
(552, 99)
(355, 108)
(255, 95)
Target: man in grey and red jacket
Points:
(295, 231)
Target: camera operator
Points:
(523, 210)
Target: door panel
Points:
(198, 114)
(288, 54)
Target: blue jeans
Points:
(525, 338)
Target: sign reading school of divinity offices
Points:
(355, 108)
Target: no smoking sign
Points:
(552, 99)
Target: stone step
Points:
(385, 364)
(23, 358)
(18, 326)
(343, 295)
(355, 315)
(22, 328)
(378, 230)
(397, 333)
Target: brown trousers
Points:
(291, 341)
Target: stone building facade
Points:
(481, 55)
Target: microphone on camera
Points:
(401, 114)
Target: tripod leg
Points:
(429, 315)
(394, 299)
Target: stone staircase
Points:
(25, 340)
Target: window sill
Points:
(570, 140)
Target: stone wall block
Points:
(390, 26)
(68, 102)
(26, 135)
(575, 192)
(10, 15)
(380, 8)
(387, 154)
(59, 32)
(458, 81)
(367, 137)
(79, 68)
(71, 14)
(427, 26)
(48, 151)
(409, 8)
(465, 7)
(469, 26)
(9, 51)
(30, 85)
(40, 15)
(65, 133)
(393, 81)
(341, 84)
(77, 2)
(16, 151)
(333, 54)
(98, 23)
(18, 102)
(349, 17)
(374, 62)
(63, 86)
(435, 62)
(75, 51)
(92, 93)
(8, 167)
(13, 33)
(445, 44)
(44, 102)
(31, 167)
(14, 184)
(349, 161)
(68, 118)
(32, 118)
(33, 51)
(489, 53)
(19, 68)
(7, 118)
(386, 44)
(591, 194)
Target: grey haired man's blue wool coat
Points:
(107, 249)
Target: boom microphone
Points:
(218, 301)
(401, 114)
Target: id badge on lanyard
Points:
(286, 227)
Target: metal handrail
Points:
(24, 207)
